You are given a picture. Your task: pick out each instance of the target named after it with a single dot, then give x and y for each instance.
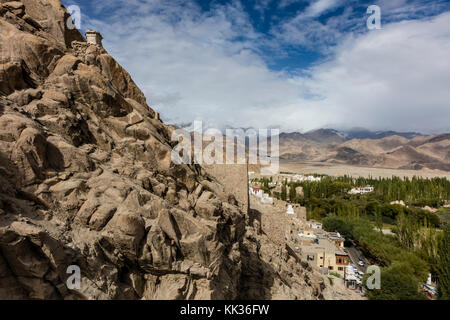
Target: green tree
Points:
(379, 220)
(443, 264)
(265, 186)
(397, 284)
(371, 208)
(336, 224)
(283, 192)
(407, 230)
(292, 193)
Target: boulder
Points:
(207, 206)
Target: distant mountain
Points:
(319, 136)
(323, 135)
(384, 149)
(358, 133)
(361, 147)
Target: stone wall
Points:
(234, 178)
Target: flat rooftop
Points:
(324, 245)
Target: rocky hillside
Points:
(86, 179)
(382, 150)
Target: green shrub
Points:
(397, 284)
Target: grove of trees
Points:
(421, 244)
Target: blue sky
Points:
(297, 65)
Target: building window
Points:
(340, 268)
(330, 268)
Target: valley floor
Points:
(356, 171)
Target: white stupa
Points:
(290, 210)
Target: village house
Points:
(301, 178)
(327, 261)
(337, 239)
(309, 232)
(307, 238)
(255, 191)
(361, 190)
(264, 198)
(294, 178)
(325, 256)
(312, 224)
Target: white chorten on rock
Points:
(94, 37)
(290, 210)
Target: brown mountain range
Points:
(394, 151)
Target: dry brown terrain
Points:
(391, 152)
(356, 171)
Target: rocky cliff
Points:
(86, 179)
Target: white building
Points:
(298, 178)
(307, 236)
(94, 37)
(266, 199)
(314, 225)
(254, 191)
(399, 202)
(301, 178)
(361, 190)
(259, 193)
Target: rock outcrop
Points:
(86, 179)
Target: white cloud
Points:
(397, 78)
(193, 65)
(318, 7)
(304, 30)
(194, 68)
